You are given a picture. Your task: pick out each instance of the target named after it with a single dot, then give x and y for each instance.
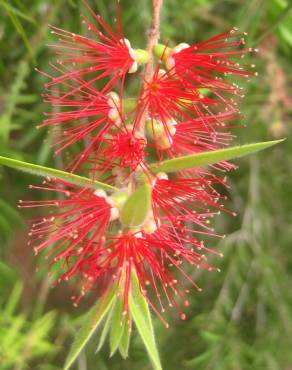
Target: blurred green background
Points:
(243, 318)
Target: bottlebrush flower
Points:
(85, 234)
(75, 226)
(206, 64)
(80, 113)
(103, 54)
(167, 98)
(186, 200)
(128, 149)
(189, 100)
(118, 155)
(175, 106)
(181, 212)
(90, 236)
(139, 244)
(208, 133)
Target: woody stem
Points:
(153, 37)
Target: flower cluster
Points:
(188, 106)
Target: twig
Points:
(153, 37)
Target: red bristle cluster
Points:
(187, 107)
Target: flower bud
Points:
(100, 193)
(141, 56)
(162, 176)
(161, 133)
(161, 50)
(133, 68)
(114, 115)
(114, 103)
(164, 142)
(170, 61)
(154, 128)
(113, 99)
(115, 213)
(149, 227)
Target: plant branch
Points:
(153, 37)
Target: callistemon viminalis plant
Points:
(127, 221)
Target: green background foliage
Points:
(242, 319)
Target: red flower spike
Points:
(151, 257)
(174, 106)
(167, 98)
(104, 52)
(204, 64)
(186, 200)
(155, 255)
(128, 150)
(78, 219)
(85, 241)
(202, 134)
(115, 262)
(118, 156)
(89, 232)
(87, 115)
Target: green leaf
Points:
(18, 26)
(139, 311)
(125, 341)
(201, 359)
(137, 206)
(14, 299)
(211, 337)
(54, 173)
(10, 8)
(8, 276)
(105, 329)
(207, 158)
(118, 324)
(9, 211)
(92, 321)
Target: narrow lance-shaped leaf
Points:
(52, 172)
(211, 157)
(137, 206)
(106, 328)
(139, 311)
(92, 321)
(125, 339)
(117, 325)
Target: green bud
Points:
(141, 56)
(160, 49)
(154, 129)
(164, 142)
